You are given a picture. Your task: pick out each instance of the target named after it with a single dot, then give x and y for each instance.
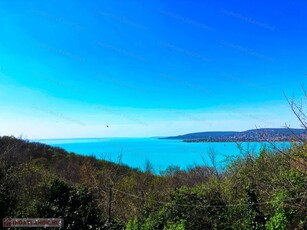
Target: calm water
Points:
(161, 153)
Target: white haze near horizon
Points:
(40, 123)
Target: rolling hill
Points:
(257, 135)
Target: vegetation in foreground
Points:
(257, 191)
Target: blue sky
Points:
(148, 68)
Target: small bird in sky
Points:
(107, 126)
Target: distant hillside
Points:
(257, 135)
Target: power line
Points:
(201, 206)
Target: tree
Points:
(74, 204)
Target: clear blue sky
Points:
(147, 68)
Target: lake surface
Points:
(161, 153)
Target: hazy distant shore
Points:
(253, 135)
(232, 141)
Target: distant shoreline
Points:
(231, 141)
(254, 135)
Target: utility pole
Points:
(110, 202)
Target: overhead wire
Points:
(203, 206)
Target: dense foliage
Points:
(266, 190)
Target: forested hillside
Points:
(266, 190)
(255, 135)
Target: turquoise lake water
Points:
(160, 152)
